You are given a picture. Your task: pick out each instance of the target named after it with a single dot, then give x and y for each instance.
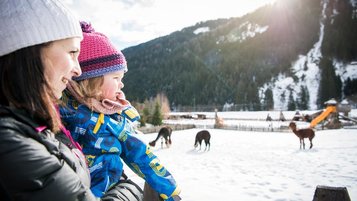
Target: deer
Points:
(164, 133)
(303, 133)
(203, 135)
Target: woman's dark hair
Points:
(23, 85)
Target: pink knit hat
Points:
(98, 56)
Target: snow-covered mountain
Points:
(293, 54)
(306, 69)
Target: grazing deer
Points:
(203, 135)
(303, 133)
(164, 133)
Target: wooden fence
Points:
(225, 127)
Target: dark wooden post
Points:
(150, 194)
(328, 193)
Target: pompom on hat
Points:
(26, 23)
(98, 56)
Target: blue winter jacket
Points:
(106, 139)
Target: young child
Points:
(101, 120)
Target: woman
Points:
(40, 43)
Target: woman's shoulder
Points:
(14, 119)
(35, 153)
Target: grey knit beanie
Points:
(25, 23)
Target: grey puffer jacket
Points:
(39, 166)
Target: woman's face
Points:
(60, 60)
(112, 85)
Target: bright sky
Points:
(131, 22)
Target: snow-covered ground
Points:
(258, 166)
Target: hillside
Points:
(294, 54)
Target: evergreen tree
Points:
(330, 84)
(268, 103)
(338, 87)
(291, 103)
(350, 87)
(283, 98)
(157, 116)
(144, 117)
(252, 97)
(304, 97)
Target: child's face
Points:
(112, 85)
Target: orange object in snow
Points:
(323, 115)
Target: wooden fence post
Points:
(328, 193)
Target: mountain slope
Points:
(273, 58)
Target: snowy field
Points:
(258, 166)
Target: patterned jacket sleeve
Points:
(138, 156)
